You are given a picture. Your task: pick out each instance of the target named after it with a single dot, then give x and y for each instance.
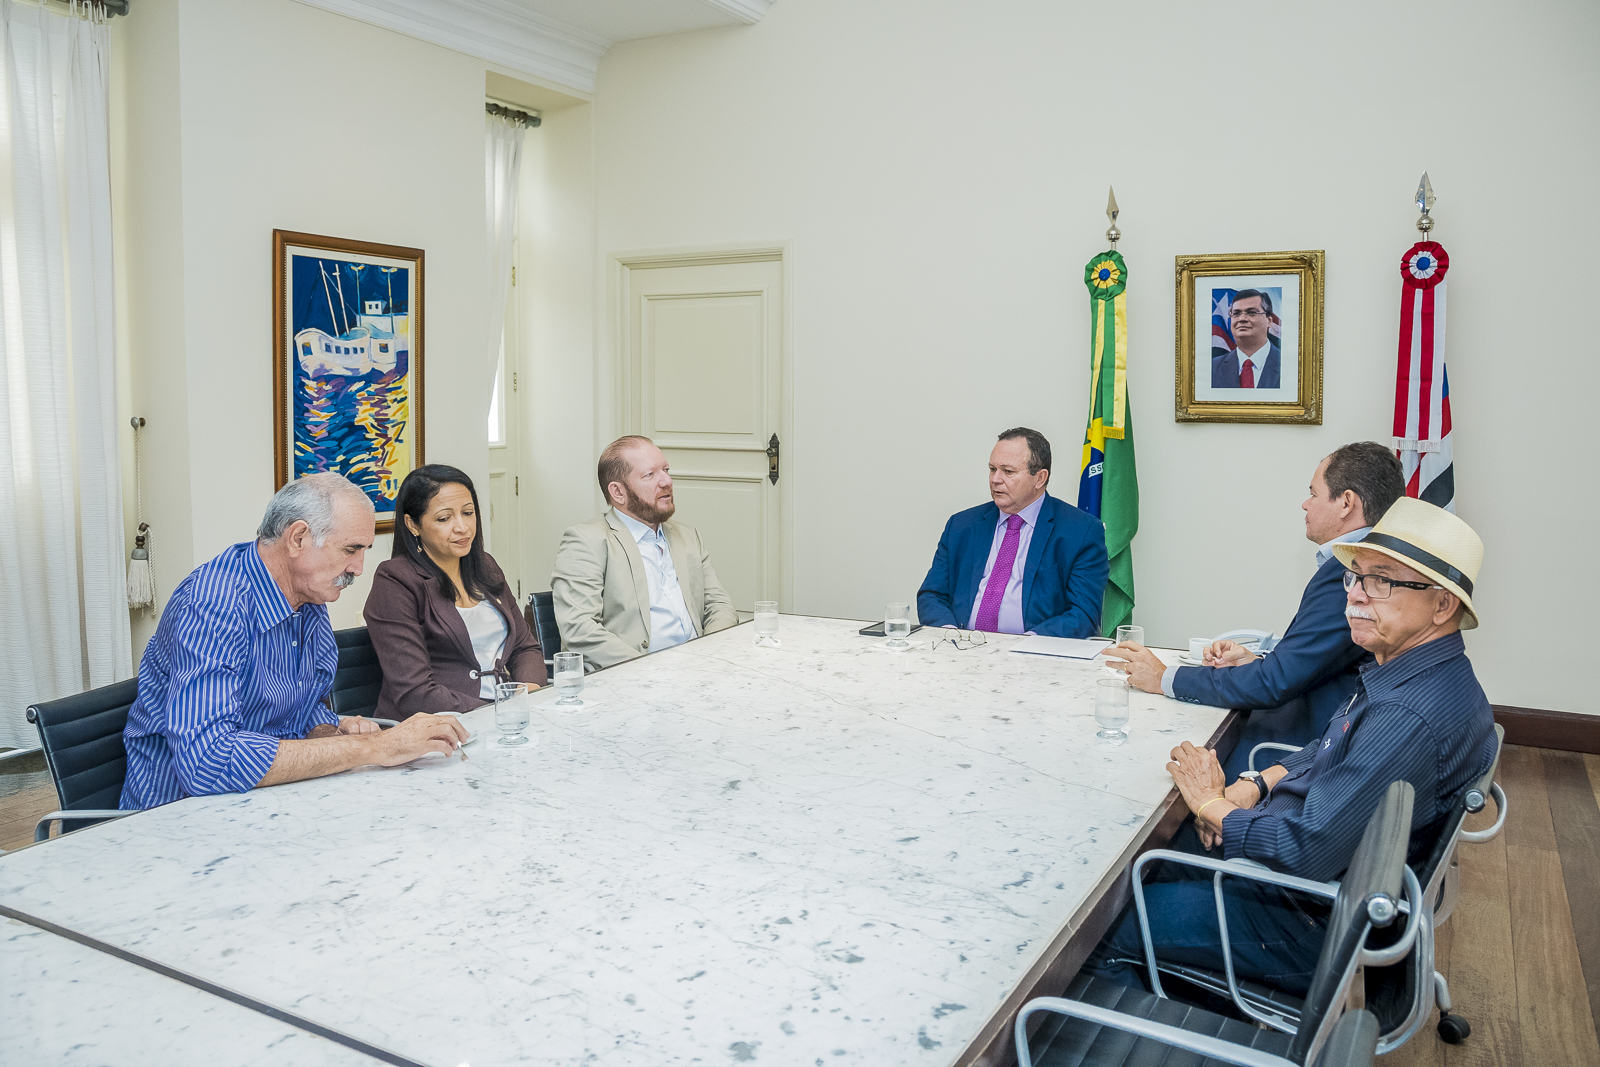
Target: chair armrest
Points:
(1239, 868)
(41, 832)
(1202, 1044)
(382, 723)
(1273, 745)
(1477, 837)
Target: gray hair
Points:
(310, 499)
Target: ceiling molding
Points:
(500, 32)
(748, 12)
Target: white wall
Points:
(246, 115)
(941, 168)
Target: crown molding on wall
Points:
(497, 31)
(749, 12)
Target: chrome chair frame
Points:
(1349, 1042)
(1381, 911)
(1439, 897)
(1363, 903)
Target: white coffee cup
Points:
(1197, 648)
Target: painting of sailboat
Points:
(348, 364)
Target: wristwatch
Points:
(1260, 783)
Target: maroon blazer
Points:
(423, 646)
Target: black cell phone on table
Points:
(876, 630)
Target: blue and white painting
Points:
(352, 393)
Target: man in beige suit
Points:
(632, 581)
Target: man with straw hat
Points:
(1418, 715)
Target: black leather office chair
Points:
(82, 740)
(359, 677)
(541, 615)
(1102, 1024)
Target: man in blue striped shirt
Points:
(1418, 715)
(231, 685)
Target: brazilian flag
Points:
(1108, 485)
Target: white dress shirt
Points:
(670, 621)
(488, 632)
(1325, 550)
(1010, 620)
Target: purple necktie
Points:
(1000, 577)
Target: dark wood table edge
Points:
(1053, 971)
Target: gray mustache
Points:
(344, 581)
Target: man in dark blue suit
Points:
(1256, 361)
(1292, 691)
(1051, 555)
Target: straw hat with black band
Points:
(1429, 540)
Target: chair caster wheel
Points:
(1454, 1029)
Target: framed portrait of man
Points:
(1249, 331)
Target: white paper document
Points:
(1067, 647)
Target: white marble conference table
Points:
(67, 1005)
(818, 854)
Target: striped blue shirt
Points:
(1421, 717)
(230, 672)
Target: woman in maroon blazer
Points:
(442, 618)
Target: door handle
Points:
(772, 459)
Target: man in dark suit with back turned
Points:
(1255, 362)
(1051, 556)
(1292, 691)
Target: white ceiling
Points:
(560, 41)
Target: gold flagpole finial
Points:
(1424, 201)
(1113, 234)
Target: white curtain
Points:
(63, 595)
(503, 165)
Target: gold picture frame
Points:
(1213, 383)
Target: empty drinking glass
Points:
(1111, 709)
(569, 679)
(767, 624)
(897, 625)
(511, 712)
(1126, 633)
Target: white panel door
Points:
(703, 378)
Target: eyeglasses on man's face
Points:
(1378, 587)
(1254, 313)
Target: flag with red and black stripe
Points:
(1422, 385)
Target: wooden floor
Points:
(1521, 952)
(26, 793)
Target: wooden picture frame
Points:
(347, 336)
(1280, 297)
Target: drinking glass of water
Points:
(767, 624)
(511, 712)
(897, 625)
(1111, 709)
(569, 679)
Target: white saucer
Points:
(1187, 662)
(472, 735)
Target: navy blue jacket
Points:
(1315, 659)
(1063, 581)
(1421, 717)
